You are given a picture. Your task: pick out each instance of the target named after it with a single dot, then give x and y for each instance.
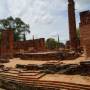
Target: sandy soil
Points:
(67, 78)
(75, 61)
(15, 61)
(55, 77)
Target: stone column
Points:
(72, 24)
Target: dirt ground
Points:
(67, 78)
(55, 77)
(15, 61)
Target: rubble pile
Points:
(28, 67)
(55, 55)
(50, 67)
(85, 67)
(56, 67)
(4, 60)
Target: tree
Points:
(17, 25)
(51, 43)
(61, 45)
(78, 36)
(78, 33)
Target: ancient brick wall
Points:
(29, 45)
(23, 45)
(8, 46)
(85, 31)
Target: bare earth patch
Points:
(55, 77)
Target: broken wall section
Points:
(85, 32)
(29, 45)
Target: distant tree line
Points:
(52, 44)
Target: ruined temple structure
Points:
(72, 25)
(85, 31)
(30, 45)
(7, 44)
(9, 47)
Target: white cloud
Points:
(3, 8)
(35, 10)
(44, 16)
(82, 5)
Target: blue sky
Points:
(47, 18)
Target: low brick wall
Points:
(47, 56)
(28, 45)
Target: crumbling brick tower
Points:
(72, 25)
(85, 32)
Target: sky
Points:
(47, 18)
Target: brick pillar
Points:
(85, 32)
(72, 24)
(42, 44)
(37, 44)
(11, 43)
(3, 43)
(7, 43)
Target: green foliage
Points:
(51, 43)
(78, 33)
(17, 25)
(17, 36)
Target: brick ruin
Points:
(29, 49)
(30, 45)
(72, 25)
(7, 44)
(85, 31)
(9, 47)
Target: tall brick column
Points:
(7, 44)
(72, 24)
(3, 44)
(85, 32)
(11, 43)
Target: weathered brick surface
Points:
(36, 44)
(85, 34)
(7, 43)
(72, 24)
(9, 47)
(85, 31)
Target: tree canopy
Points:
(51, 44)
(19, 27)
